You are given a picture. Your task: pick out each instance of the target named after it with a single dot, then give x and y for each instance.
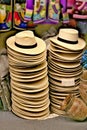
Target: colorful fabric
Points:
(54, 11)
(29, 10)
(84, 60)
(64, 15)
(39, 15)
(70, 6)
(20, 15)
(5, 15)
(80, 11)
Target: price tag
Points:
(68, 82)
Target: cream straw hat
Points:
(68, 38)
(26, 43)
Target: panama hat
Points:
(24, 58)
(29, 101)
(63, 89)
(21, 56)
(65, 70)
(58, 48)
(59, 83)
(68, 38)
(30, 107)
(65, 56)
(18, 62)
(55, 48)
(69, 65)
(29, 75)
(15, 78)
(57, 111)
(31, 95)
(29, 69)
(52, 72)
(25, 88)
(26, 43)
(28, 115)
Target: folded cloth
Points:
(39, 15)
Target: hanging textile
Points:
(20, 15)
(70, 6)
(64, 15)
(39, 15)
(80, 11)
(54, 10)
(5, 15)
(29, 10)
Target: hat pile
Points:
(28, 71)
(65, 51)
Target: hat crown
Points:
(68, 34)
(25, 38)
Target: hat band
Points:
(26, 47)
(67, 41)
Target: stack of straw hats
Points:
(65, 51)
(28, 71)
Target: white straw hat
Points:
(26, 43)
(68, 38)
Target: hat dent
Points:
(68, 34)
(25, 38)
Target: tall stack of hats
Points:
(65, 51)
(28, 71)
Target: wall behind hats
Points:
(15, 16)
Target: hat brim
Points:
(79, 46)
(29, 69)
(27, 115)
(32, 102)
(65, 56)
(41, 46)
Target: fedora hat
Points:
(31, 95)
(29, 69)
(64, 55)
(26, 43)
(68, 70)
(69, 39)
(28, 115)
(30, 107)
(20, 56)
(32, 102)
(62, 49)
(70, 65)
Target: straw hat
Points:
(64, 56)
(26, 43)
(30, 107)
(68, 38)
(66, 65)
(29, 69)
(28, 115)
(31, 87)
(32, 102)
(31, 95)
